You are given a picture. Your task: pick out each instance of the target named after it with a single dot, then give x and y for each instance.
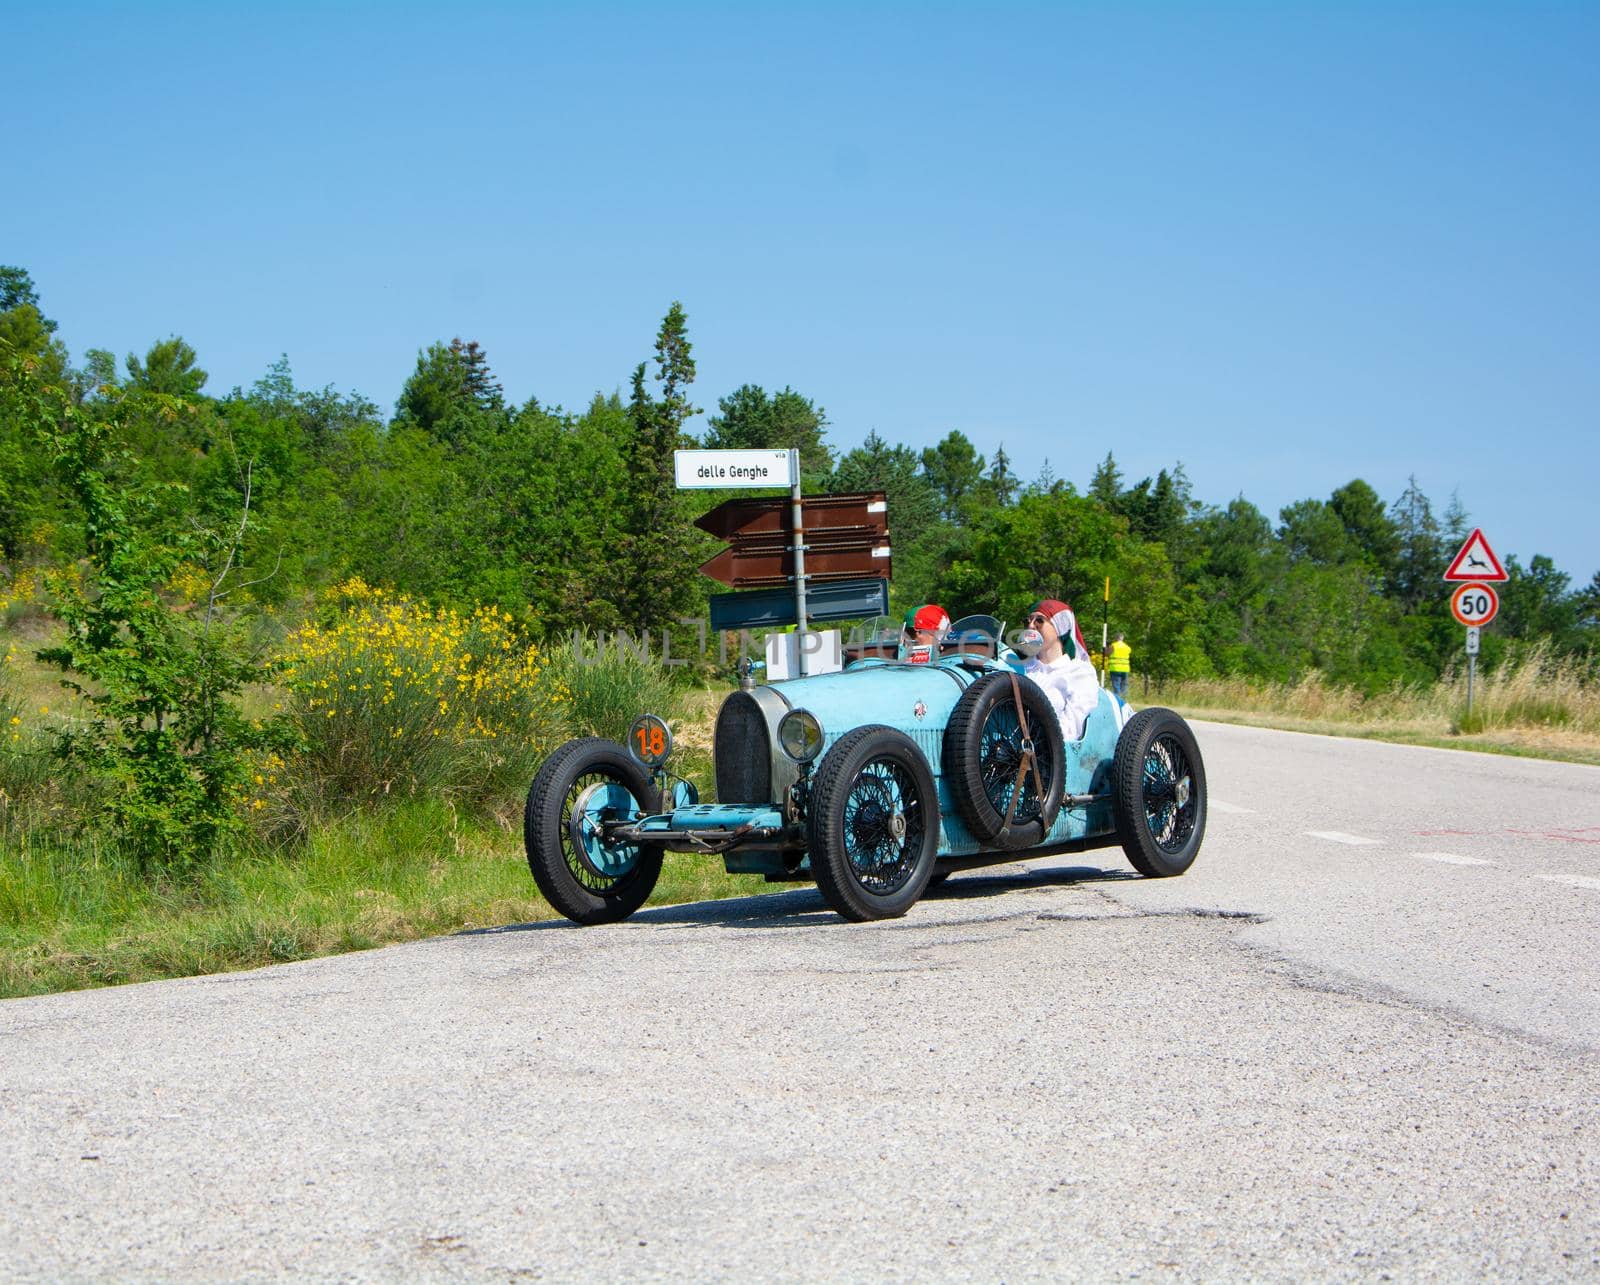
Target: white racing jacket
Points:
(1073, 688)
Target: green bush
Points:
(607, 689)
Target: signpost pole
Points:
(1475, 603)
(797, 526)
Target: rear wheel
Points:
(873, 824)
(587, 878)
(1159, 793)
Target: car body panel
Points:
(916, 699)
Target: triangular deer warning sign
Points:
(1476, 561)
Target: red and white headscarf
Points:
(1064, 621)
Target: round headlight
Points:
(800, 735)
(650, 740)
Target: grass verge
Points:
(76, 917)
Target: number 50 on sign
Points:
(1474, 604)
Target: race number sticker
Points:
(650, 740)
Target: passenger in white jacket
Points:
(1062, 666)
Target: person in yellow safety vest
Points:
(1118, 666)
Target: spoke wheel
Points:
(1159, 793)
(581, 787)
(873, 824)
(985, 744)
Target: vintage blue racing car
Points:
(875, 782)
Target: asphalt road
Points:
(1360, 1039)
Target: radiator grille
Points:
(743, 752)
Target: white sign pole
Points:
(1472, 660)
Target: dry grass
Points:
(1542, 706)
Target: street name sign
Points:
(1476, 561)
(1475, 605)
(719, 470)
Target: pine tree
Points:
(1457, 521)
(1421, 558)
(477, 380)
(1106, 484)
(1003, 483)
(656, 565)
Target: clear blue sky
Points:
(1287, 245)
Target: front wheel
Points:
(873, 824)
(1159, 793)
(588, 878)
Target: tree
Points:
(98, 376)
(1047, 483)
(24, 330)
(478, 381)
(953, 468)
(877, 466)
(168, 368)
(1106, 484)
(167, 736)
(17, 291)
(1368, 527)
(1457, 521)
(748, 419)
(1588, 604)
(1062, 545)
(1311, 532)
(1156, 510)
(1419, 564)
(1535, 603)
(1002, 484)
(657, 584)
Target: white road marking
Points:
(1450, 859)
(1339, 836)
(1217, 805)
(1573, 881)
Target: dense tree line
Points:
(570, 518)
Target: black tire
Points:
(872, 824)
(1159, 793)
(982, 747)
(569, 880)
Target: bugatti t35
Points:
(875, 782)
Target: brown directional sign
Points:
(828, 557)
(846, 537)
(738, 520)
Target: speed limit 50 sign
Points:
(1475, 604)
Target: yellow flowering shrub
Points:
(19, 591)
(189, 582)
(395, 697)
(10, 706)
